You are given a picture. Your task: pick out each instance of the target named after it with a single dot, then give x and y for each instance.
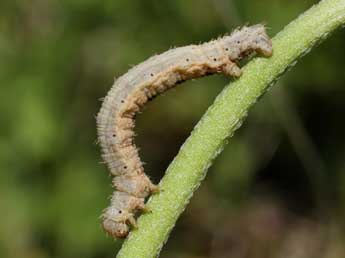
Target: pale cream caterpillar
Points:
(115, 120)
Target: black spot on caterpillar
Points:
(115, 120)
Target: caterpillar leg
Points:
(143, 208)
(138, 185)
(131, 220)
(154, 188)
(231, 69)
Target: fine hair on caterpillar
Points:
(115, 120)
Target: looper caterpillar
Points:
(115, 120)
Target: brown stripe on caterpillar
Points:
(130, 92)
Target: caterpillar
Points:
(115, 120)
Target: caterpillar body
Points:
(115, 120)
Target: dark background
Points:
(277, 190)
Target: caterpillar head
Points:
(259, 40)
(114, 222)
(247, 40)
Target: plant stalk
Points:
(221, 120)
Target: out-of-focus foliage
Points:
(277, 190)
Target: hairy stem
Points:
(220, 122)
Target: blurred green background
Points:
(277, 190)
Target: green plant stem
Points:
(220, 122)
